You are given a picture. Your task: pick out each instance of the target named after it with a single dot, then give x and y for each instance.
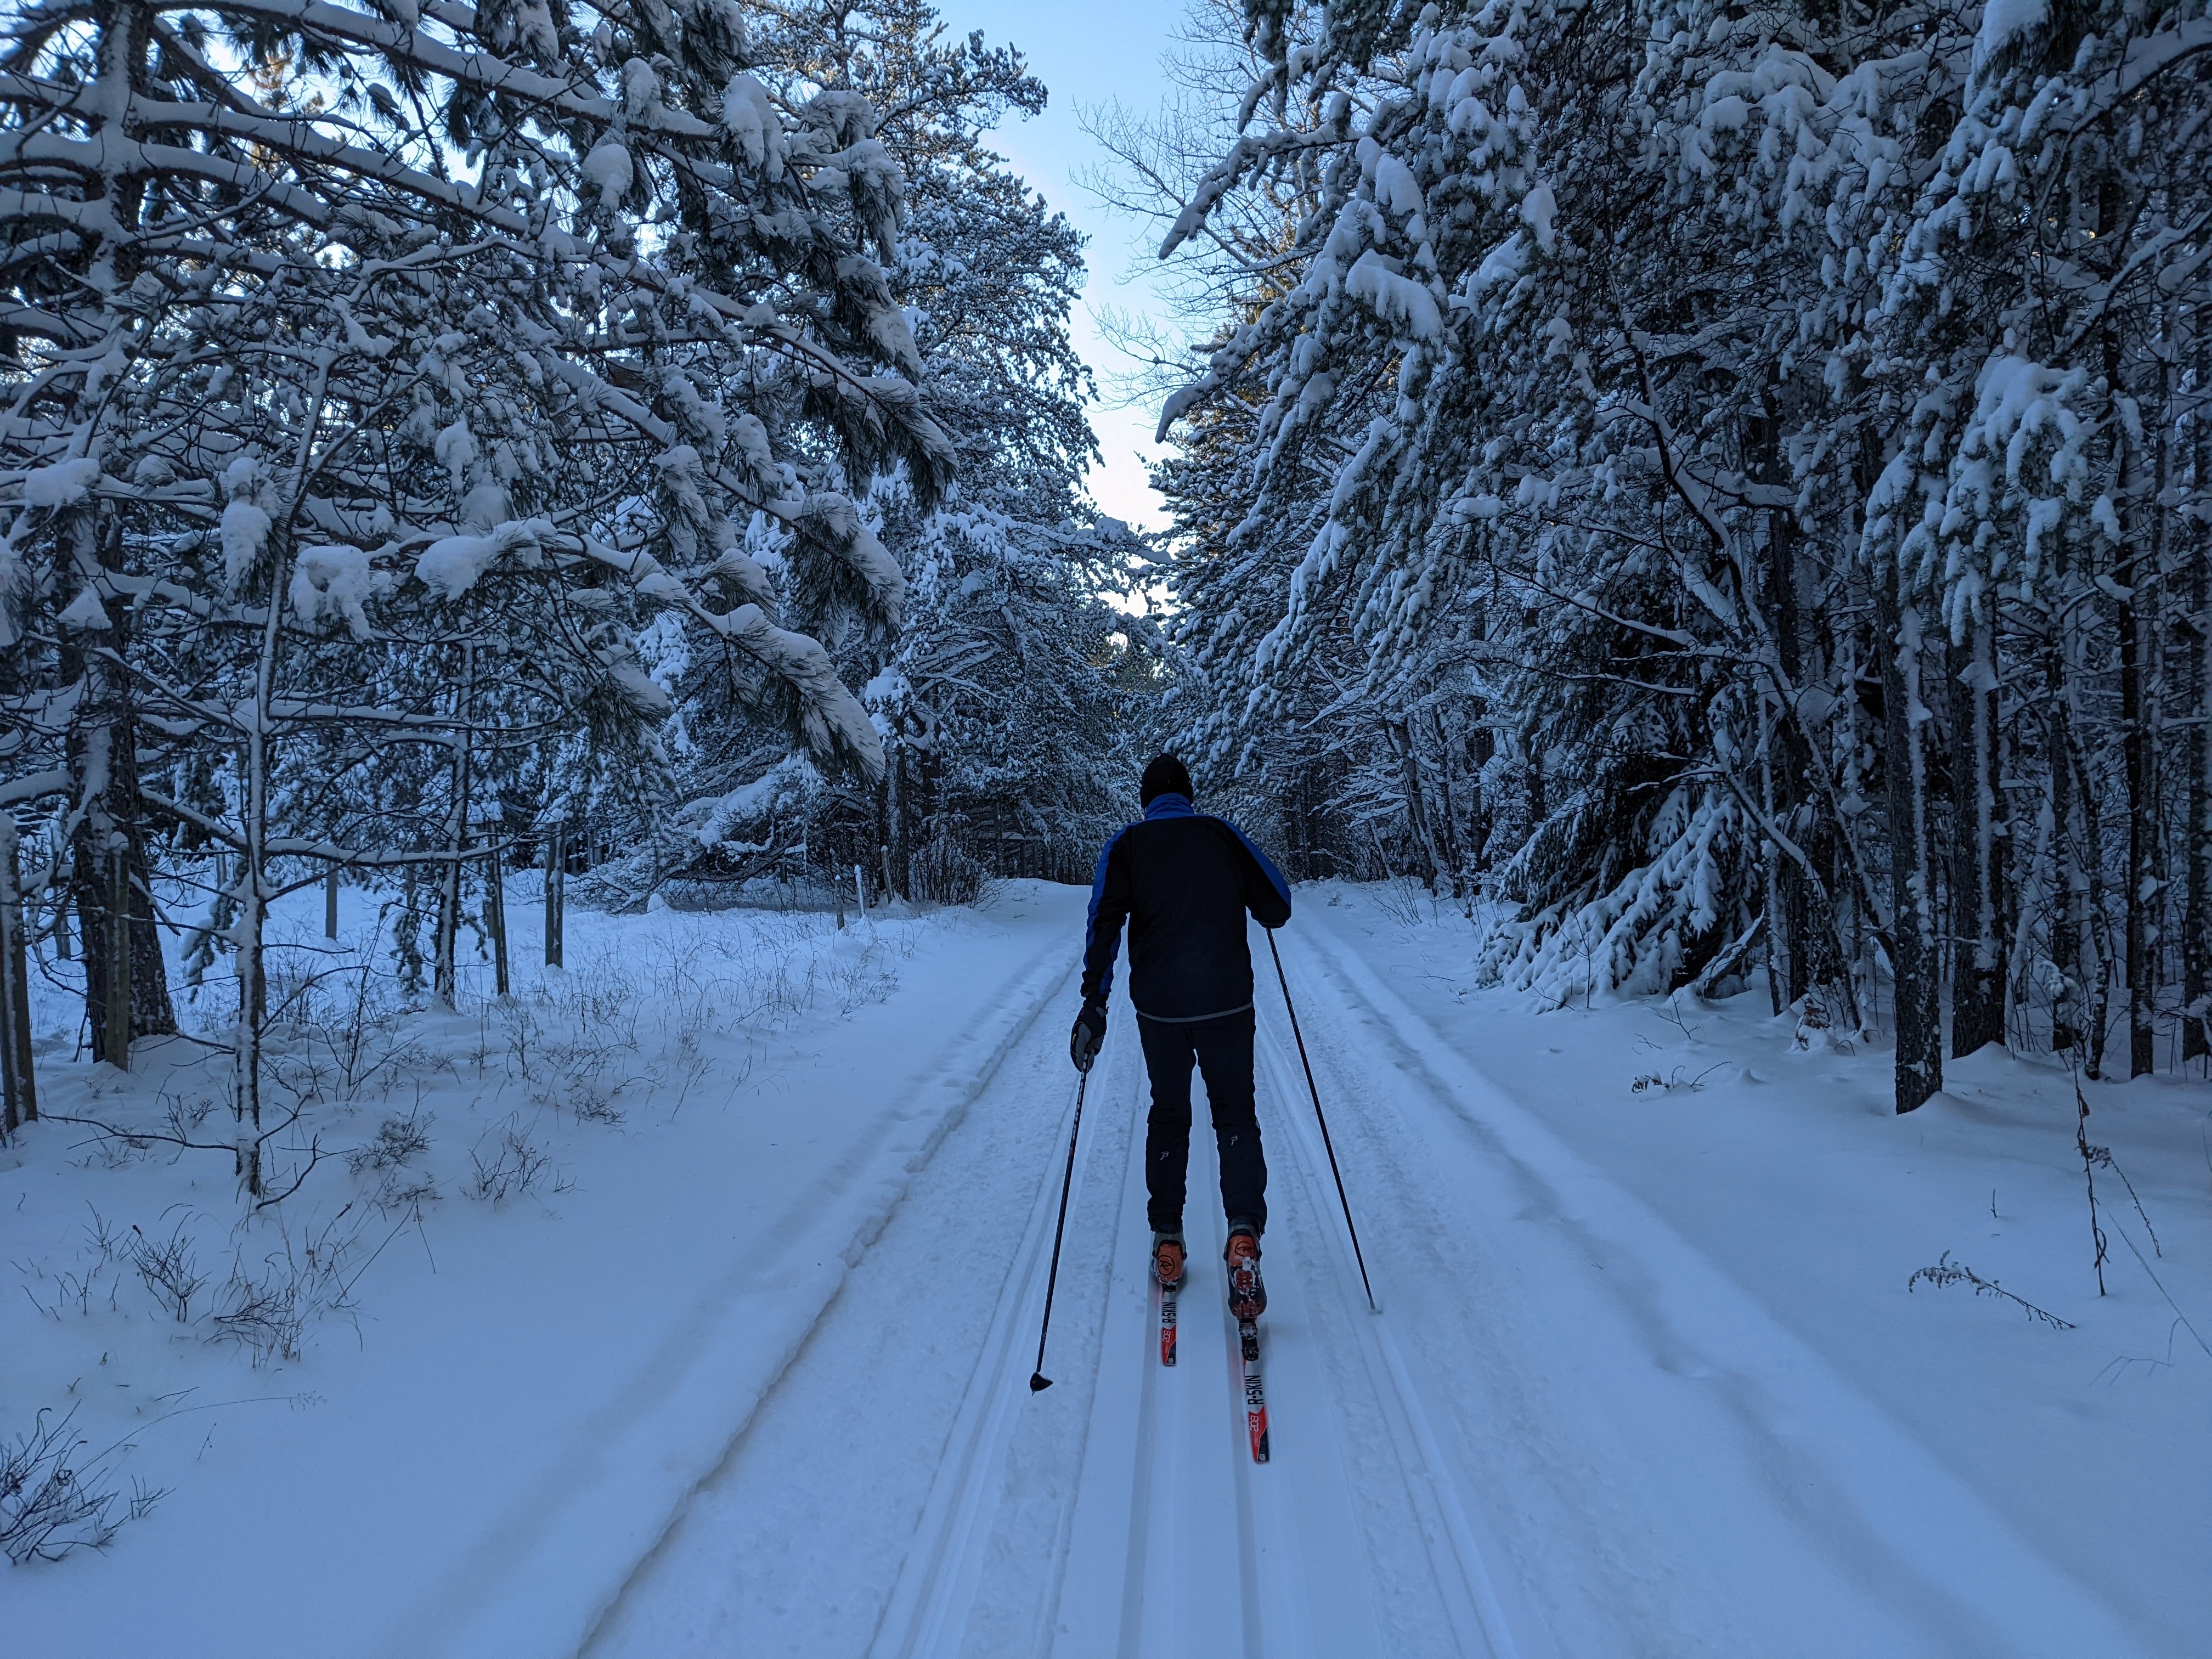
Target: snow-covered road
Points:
(1568, 1431)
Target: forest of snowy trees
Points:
(1718, 485)
(1729, 480)
(443, 439)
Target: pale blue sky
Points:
(1087, 54)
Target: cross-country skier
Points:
(1184, 882)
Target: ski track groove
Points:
(937, 1583)
(1168, 1539)
(1460, 1575)
(1012, 1014)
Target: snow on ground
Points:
(651, 1172)
(1648, 1379)
(1982, 1481)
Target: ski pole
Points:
(1038, 1380)
(1321, 1118)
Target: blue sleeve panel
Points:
(1102, 931)
(1270, 906)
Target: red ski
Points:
(1256, 1392)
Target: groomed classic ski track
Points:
(1119, 1515)
(1354, 1540)
(1566, 1431)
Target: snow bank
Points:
(1745, 1195)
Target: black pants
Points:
(1223, 1049)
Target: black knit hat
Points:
(1166, 775)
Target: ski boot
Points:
(1247, 1297)
(1168, 1259)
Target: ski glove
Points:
(1090, 1032)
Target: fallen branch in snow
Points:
(109, 1136)
(1946, 1273)
(1651, 1080)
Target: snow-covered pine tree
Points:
(1011, 703)
(2050, 286)
(321, 315)
(1677, 378)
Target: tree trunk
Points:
(1540, 806)
(2069, 886)
(122, 946)
(1419, 836)
(2197, 904)
(1979, 942)
(495, 914)
(1783, 988)
(18, 1077)
(1481, 748)
(251, 891)
(2097, 931)
(1800, 902)
(557, 889)
(119, 906)
(2143, 806)
(1784, 772)
(1919, 1001)
(1447, 824)
(901, 842)
(2136, 575)
(444, 971)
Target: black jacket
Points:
(1183, 883)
